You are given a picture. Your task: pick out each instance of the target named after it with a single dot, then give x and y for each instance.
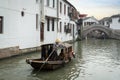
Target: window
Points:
(48, 24)
(48, 2)
(64, 9)
(72, 33)
(1, 24)
(60, 7)
(70, 28)
(40, 1)
(84, 23)
(36, 21)
(110, 20)
(119, 20)
(64, 27)
(22, 13)
(68, 10)
(53, 24)
(37, 1)
(60, 26)
(53, 3)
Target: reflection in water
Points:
(95, 60)
(68, 72)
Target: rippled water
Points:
(95, 60)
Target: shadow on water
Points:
(68, 72)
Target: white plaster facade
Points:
(115, 22)
(25, 21)
(105, 21)
(52, 11)
(87, 21)
(49, 28)
(66, 21)
(19, 23)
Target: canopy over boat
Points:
(52, 58)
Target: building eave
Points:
(51, 17)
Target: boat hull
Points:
(45, 65)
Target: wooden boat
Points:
(51, 59)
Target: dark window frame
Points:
(64, 9)
(37, 18)
(37, 1)
(119, 20)
(48, 24)
(65, 27)
(48, 2)
(68, 10)
(60, 26)
(53, 24)
(60, 7)
(53, 3)
(1, 24)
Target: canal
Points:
(95, 60)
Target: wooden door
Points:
(42, 32)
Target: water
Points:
(95, 60)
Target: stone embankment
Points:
(13, 51)
(115, 34)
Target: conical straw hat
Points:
(58, 40)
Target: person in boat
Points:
(61, 56)
(57, 45)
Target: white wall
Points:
(64, 18)
(106, 23)
(115, 24)
(17, 30)
(91, 19)
(50, 36)
(50, 11)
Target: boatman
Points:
(56, 46)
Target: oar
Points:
(45, 61)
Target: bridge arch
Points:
(87, 30)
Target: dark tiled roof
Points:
(69, 3)
(105, 19)
(89, 17)
(114, 16)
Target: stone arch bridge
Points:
(110, 33)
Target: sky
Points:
(97, 8)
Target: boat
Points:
(51, 59)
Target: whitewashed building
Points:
(58, 21)
(115, 22)
(66, 25)
(88, 21)
(19, 24)
(49, 21)
(105, 21)
(27, 24)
